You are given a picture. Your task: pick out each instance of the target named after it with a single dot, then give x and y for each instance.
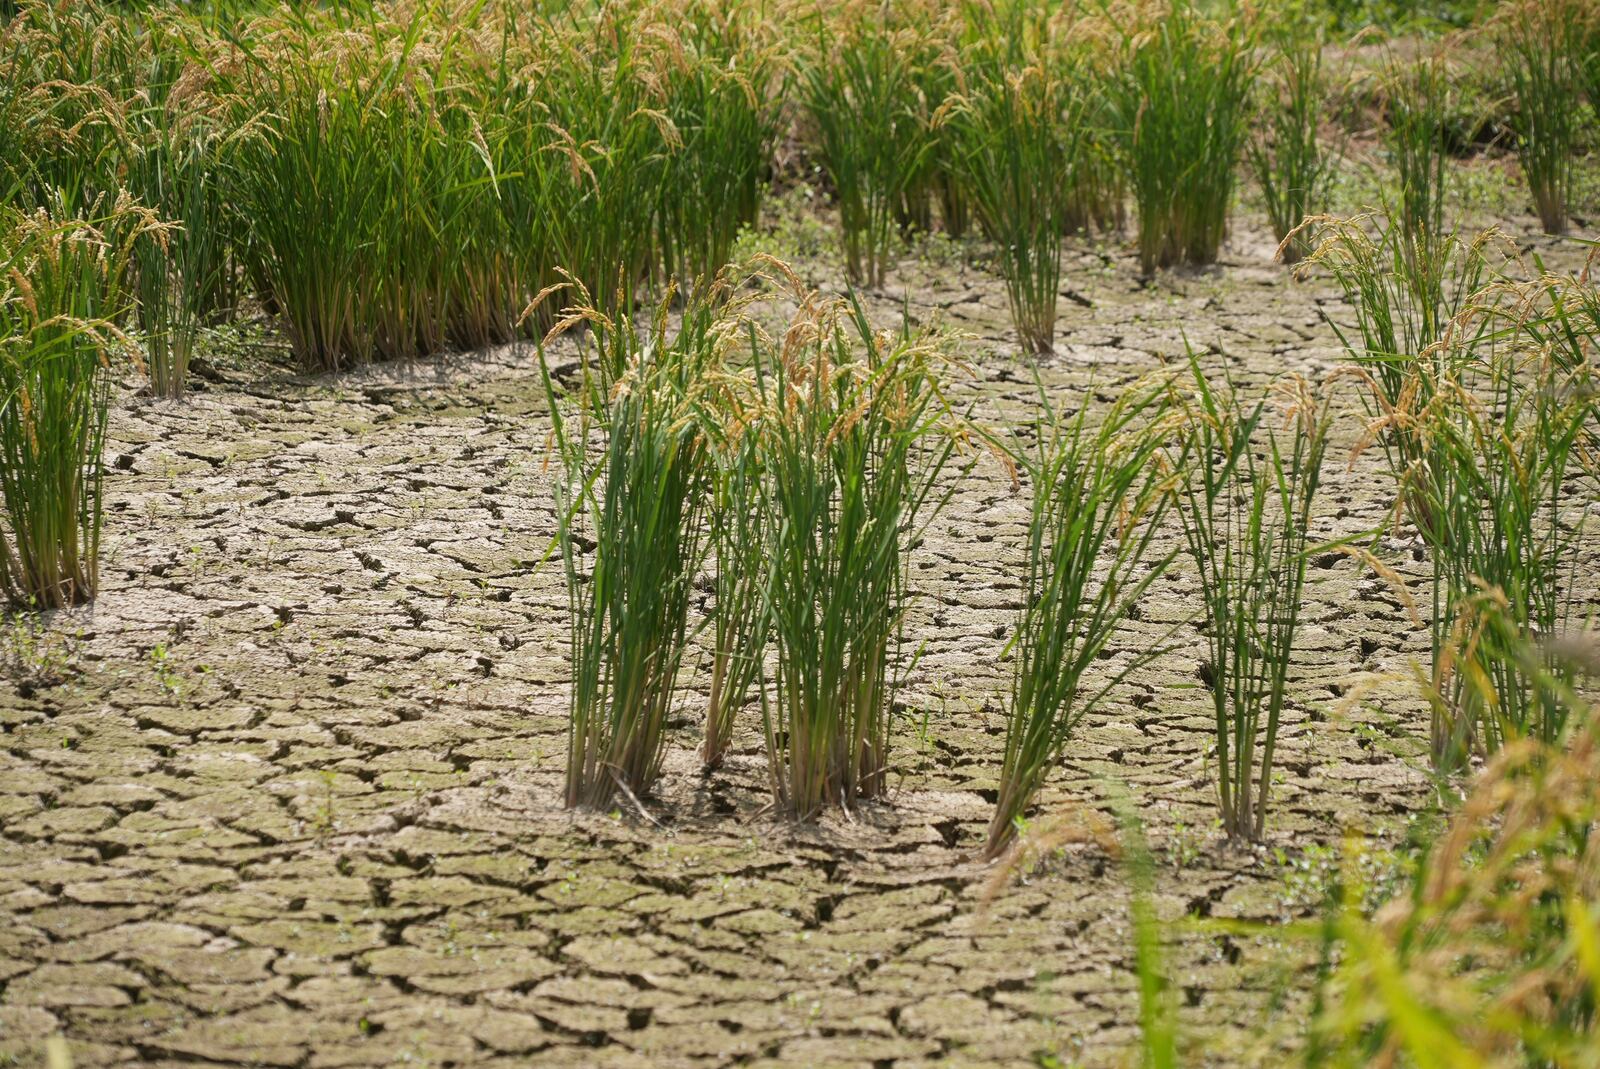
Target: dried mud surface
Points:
(295, 799)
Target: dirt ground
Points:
(287, 794)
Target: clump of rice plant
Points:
(943, 185)
(1287, 156)
(1405, 300)
(631, 532)
(1500, 436)
(1181, 113)
(1016, 149)
(859, 87)
(1099, 493)
(448, 180)
(60, 297)
(1246, 506)
(1488, 954)
(1585, 29)
(179, 271)
(941, 36)
(67, 72)
(1538, 41)
(332, 180)
(602, 86)
(1419, 91)
(851, 457)
(720, 96)
(1482, 406)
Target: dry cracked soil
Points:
(287, 794)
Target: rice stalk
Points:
(1539, 44)
(1099, 493)
(1246, 507)
(857, 439)
(740, 616)
(1017, 147)
(1180, 108)
(61, 294)
(631, 533)
(1292, 166)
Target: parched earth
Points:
(288, 794)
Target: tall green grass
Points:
(631, 534)
(1181, 112)
(61, 295)
(852, 460)
(1247, 509)
(1287, 156)
(1539, 42)
(1099, 493)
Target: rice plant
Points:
(1585, 30)
(1419, 91)
(66, 74)
(330, 182)
(945, 188)
(600, 86)
(852, 458)
(1481, 401)
(1500, 438)
(1099, 493)
(1560, 314)
(1017, 146)
(1246, 507)
(448, 179)
(1181, 114)
(862, 102)
(180, 271)
(1406, 300)
(722, 79)
(1539, 46)
(1488, 954)
(1100, 185)
(60, 298)
(631, 535)
(1286, 155)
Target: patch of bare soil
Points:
(297, 801)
